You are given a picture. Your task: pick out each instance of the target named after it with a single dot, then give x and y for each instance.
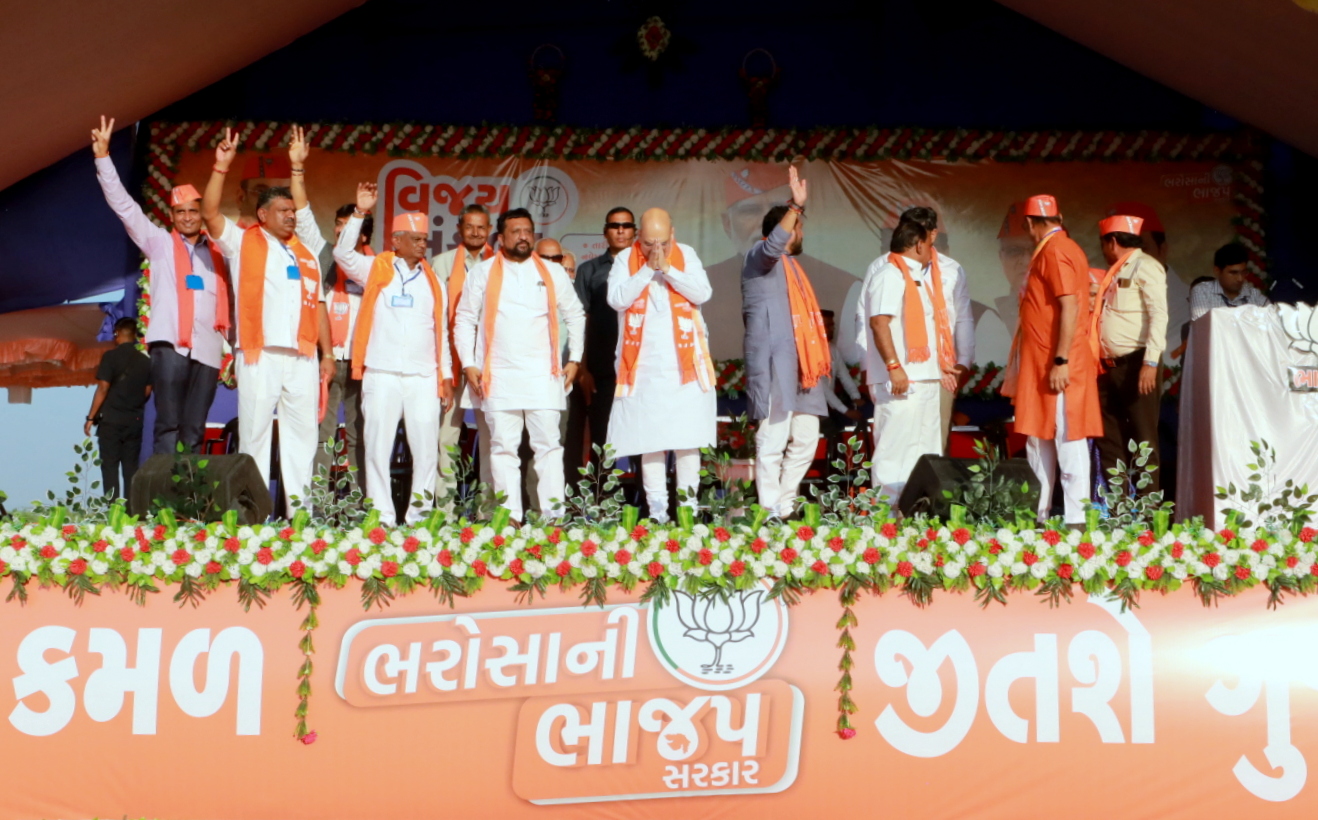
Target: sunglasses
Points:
(619, 226)
(558, 258)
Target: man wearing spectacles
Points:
(591, 401)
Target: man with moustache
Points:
(507, 332)
(190, 301)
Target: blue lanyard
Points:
(403, 283)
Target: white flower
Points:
(345, 568)
(635, 568)
(1261, 573)
(194, 570)
(7, 554)
(995, 571)
(1179, 573)
(100, 567)
(535, 568)
(235, 572)
(1029, 536)
(411, 570)
(1072, 538)
(727, 556)
(258, 570)
(798, 572)
(1019, 568)
(1039, 570)
(1087, 570)
(363, 571)
(590, 571)
(779, 568)
(1221, 572)
(952, 569)
(159, 558)
(434, 569)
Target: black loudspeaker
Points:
(240, 486)
(934, 474)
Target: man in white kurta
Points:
(665, 399)
(402, 353)
(506, 335)
(281, 325)
(907, 421)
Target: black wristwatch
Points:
(1059, 361)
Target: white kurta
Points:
(662, 413)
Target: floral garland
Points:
(730, 378)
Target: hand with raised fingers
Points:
(101, 138)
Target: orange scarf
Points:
(186, 297)
(1095, 320)
(382, 273)
(456, 279)
(633, 329)
(812, 355)
(917, 338)
(251, 295)
(340, 313)
(490, 312)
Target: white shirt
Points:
(884, 294)
(959, 314)
(840, 373)
(403, 319)
(283, 296)
(1208, 295)
(343, 352)
(521, 371)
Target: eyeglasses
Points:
(558, 257)
(619, 226)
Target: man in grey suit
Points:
(785, 392)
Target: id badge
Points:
(294, 272)
(401, 301)
(193, 282)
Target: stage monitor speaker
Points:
(934, 474)
(240, 486)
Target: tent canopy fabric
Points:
(51, 347)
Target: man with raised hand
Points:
(281, 325)
(787, 354)
(452, 266)
(507, 332)
(189, 303)
(665, 398)
(400, 352)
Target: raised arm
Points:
(210, 200)
(762, 257)
(350, 260)
(140, 229)
(297, 158)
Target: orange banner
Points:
(496, 710)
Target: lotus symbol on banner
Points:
(719, 623)
(1300, 323)
(544, 196)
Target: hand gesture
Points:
(87, 425)
(101, 138)
(797, 185)
(367, 195)
(1148, 379)
(569, 376)
(473, 375)
(297, 146)
(900, 381)
(445, 394)
(1059, 378)
(327, 368)
(226, 150)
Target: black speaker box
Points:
(240, 486)
(934, 474)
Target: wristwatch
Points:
(1059, 361)
(1148, 363)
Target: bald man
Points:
(570, 265)
(665, 399)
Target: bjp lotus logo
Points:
(550, 195)
(719, 643)
(1300, 323)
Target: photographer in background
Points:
(123, 383)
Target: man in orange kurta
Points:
(1055, 391)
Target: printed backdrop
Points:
(499, 710)
(718, 204)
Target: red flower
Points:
(588, 548)
(836, 543)
(535, 550)
(1259, 546)
(736, 568)
(1242, 572)
(127, 554)
(623, 556)
(872, 556)
(656, 569)
(389, 568)
(805, 533)
(265, 555)
(516, 567)
(1146, 538)
(77, 566)
(159, 533)
(847, 733)
(1308, 534)
(1065, 571)
(69, 531)
(888, 530)
(904, 569)
(922, 544)
(1178, 549)
(976, 569)
(706, 557)
(721, 535)
(1085, 550)
(1292, 561)
(1212, 559)
(49, 552)
(445, 558)
(182, 557)
(411, 544)
(994, 546)
(788, 555)
(200, 536)
(931, 533)
(318, 546)
(639, 532)
(100, 546)
(961, 535)
(478, 567)
(1052, 537)
(563, 569)
(820, 567)
(297, 569)
(758, 545)
(233, 545)
(286, 533)
(353, 556)
(17, 542)
(1313, 570)
(214, 568)
(497, 541)
(467, 534)
(377, 536)
(1153, 572)
(939, 560)
(555, 536)
(308, 739)
(1029, 558)
(1227, 535)
(1124, 558)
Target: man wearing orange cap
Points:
(1154, 243)
(400, 351)
(281, 324)
(1051, 375)
(507, 336)
(1127, 333)
(189, 303)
